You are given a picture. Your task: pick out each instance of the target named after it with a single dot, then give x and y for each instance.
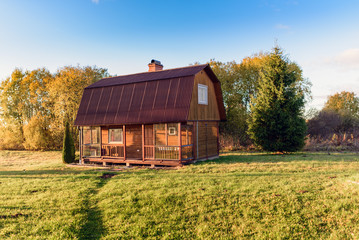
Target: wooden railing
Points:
(112, 150)
(149, 152)
(91, 150)
(166, 152)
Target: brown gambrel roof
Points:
(150, 97)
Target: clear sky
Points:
(322, 36)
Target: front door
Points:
(134, 142)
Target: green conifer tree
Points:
(276, 122)
(68, 150)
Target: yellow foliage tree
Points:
(36, 133)
(65, 92)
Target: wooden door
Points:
(134, 142)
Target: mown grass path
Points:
(92, 223)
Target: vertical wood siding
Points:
(200, 111)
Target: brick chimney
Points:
(155, 66)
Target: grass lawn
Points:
(239, 196)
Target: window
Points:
(91, 135)
(202, 94)
(91, 141)
(115, 135)
(172, 131)
(166, 134)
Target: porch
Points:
(169, 144)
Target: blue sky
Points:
(322, 36)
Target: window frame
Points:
(203, 88)
(91, 146)
(109, 136)
(172, 131)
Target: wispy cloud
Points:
(348, 59)
(282, 26)
(95, 1)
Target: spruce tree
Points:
(68, 150)
(276, 122)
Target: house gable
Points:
(209, 111)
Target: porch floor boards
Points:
(135, 161)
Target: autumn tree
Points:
(276, 121)
(23, 95)
(65, 93)
(36, 104)
(344, 103)
(340, 114)
(13, 98)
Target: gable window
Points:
(115, 135)
(202, 94)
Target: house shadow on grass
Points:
(58, 173)
(231, 158)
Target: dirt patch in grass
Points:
(107, 175)
(302, 191)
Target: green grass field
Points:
(239, 196)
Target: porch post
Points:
(143, 142)
(124, 141)
(180, 142)
(80, 145)
(197, 140)
(194, 142)
(154, 141)
(218, 144)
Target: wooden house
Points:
(160, 117)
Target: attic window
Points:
(202, 94)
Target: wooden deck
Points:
(133, 161)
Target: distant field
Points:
(241, 195)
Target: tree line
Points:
(264, 97)
(35, 105)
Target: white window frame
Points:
(172, 131)
(205, 89)
(109, 136)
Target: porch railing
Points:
(91, 150)
(112, 150)
(149, 151)
(167, 152)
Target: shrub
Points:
(37, 135)
(68, 150)
(11, 137)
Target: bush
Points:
(37, 135)
(68, 150)
(11, 137)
